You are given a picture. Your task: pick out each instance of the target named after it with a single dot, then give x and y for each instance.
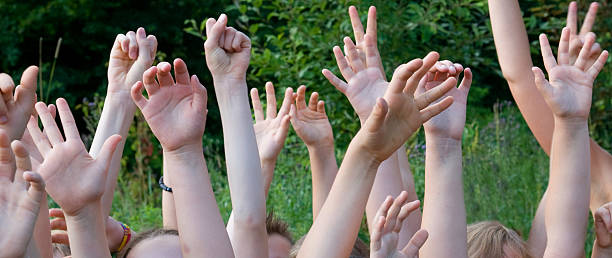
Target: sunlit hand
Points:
(360, 41)
(385, 232)
(20, 199)
(450, 123)
(271, 131)
(15, 109)
(175, 111)
(311, 122)
(131, 55)
(577, 39)
(228, 51)
(67, 165)
(569, 91)
(59, 234)
(29, 143)
(399, 113)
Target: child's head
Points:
(153, 243)
(279, 237)
(492, 239)
(360, 249)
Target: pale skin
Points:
(20, 197)
(603, 231)
(362, 86)
(385, 233)
(228, 52)
(396, 116)
(515, 59)
(444, 211)
(311, 124)
(176, 113)
(66, 162)
(568, 93)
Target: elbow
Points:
(250, 220)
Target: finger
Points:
(572, 18)
(378, 115)
(7, 162)
(353, 55)
(394, 211)
(180, 72)
(376, 236)
(372, 55)
(243, 41)
(257, 108)
(108, 149)
(144, 45)
(210, 22)
(40, 140)
(3, 112)
(25, 94)
(37, 185)
(153, 46)
(148, 79)
(52, 110)
(585, 52)
(356, 24)
(7, 86)
(312, 102)
(416, 242)
(58, 224)
(122, 43)
(321, 107)
(163, 74)
(594, 70)
(230, 33)
(466, 83)
(137, 96)
(133, 45)
(547, 55)
(293, 113)
(51, 129)
(435, 109)
(402, 73)
(589, 19)
(428, 62)
(281, 134)
(200, 98)
(541, 83)
(430, 96)
(60, 238)
(287, 100)
(384, 207)
(300, 100)
(70, 129)
(215, 32)
(56, 213)
(270, 101)
(334, 80)
(602, 220)
(564, 43)
(345, 69)
(22, 157)
(371, 27)
(405, 211)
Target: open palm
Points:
(311, 122)
(271, 132)
(176, 112)
(67, 164)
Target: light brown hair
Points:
(274, 225)
(492, 239)
(360, 249)
(152, 233)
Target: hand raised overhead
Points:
(67, 165)
(130, 56)
(578, 38)
(15, 109)
(228, 51)
(271, 131)
(20, 198)
(310, 121)
(399, 113)
(386, 229)
(569, 89)
(175, 111)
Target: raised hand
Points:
(578, 38)
(175, 111)
(399, 113)
(366, 80)
(603, 231)
(310, 121)
(360, 41)
(15, 109)
(28, 142)
(271, 131)
(228, 51)
(20, 198)
(569, 89)
(131, 55)
(450, 123)
(66, 162)
(385, 232)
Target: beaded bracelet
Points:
(164, 186)
(127, 235)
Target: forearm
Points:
(42, 230)
(444, 209)
(267, 170)
(168, 207)
(413, 223)
(388, 182)
(87, 234)
(200, 226)
(116, 118)
(324, 169)
(243, 170)
(32, 251)
(334, 232)
(569, 184)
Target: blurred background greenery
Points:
(505, 171)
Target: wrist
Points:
(570, 123)
(84, 216)
(362, 153)
(323, 148)
(186, 151)
(120, 100)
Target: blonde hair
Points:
(492, 239)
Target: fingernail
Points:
(3, 119)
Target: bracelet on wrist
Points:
(127, 235)
(164, 186)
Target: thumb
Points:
(378, 115)
(200, 98)
(25, 94)
(37, 185)
(541, 82)
(108, 150)
(415, 244)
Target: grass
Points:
(505, 174)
